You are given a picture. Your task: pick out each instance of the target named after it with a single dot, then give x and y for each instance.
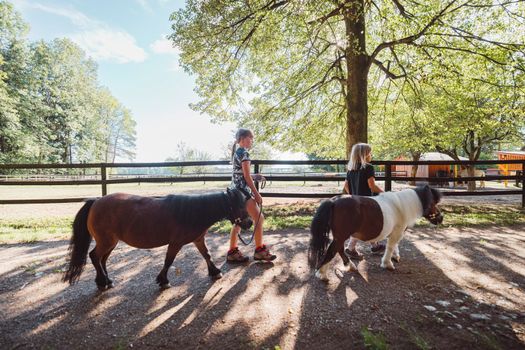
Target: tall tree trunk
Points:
(471, 185)
(115, 145)
(357, 67)
(65, 155)
(413, 170)
(472, 148)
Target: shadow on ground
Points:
(454, 288)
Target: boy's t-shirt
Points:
(358, 180)
(238, 181)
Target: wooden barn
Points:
(429, 170)
(511, 169)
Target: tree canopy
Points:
(301, 73)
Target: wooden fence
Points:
(101, 177)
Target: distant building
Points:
(430, 170)
(510, 169)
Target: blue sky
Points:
(140, 67)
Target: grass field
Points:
(278, 216)
(29, 223)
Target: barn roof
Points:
(438, 156)
(518, 153)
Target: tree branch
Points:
(461, 50)
(402, 10)
(386, 70)
(334, 12)
(411, 38)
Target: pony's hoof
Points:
(217, 276)
(322, 277)
(389, 267)
(165, 285)
(396, 259)
(110, 285)
(102, 287)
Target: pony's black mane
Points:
(428, 195)
(198, 211)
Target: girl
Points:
(243, 180)
(360, 180)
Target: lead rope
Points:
(254, 228)
(263, 185)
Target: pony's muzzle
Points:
(245, 223)
(435, 219)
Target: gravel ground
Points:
(453, 289)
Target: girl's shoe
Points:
(262, 253)
(235, 256)
(353, 254)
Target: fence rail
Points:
(101, 177)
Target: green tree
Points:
(297, 72)
(471, 106)
(52, 108)
(62, 82)
(123, 135)
(400, 125)
(9, 122)
(13, 56)
(184, 153)
(108, 130)
(473, 113)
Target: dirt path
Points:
(454, 289)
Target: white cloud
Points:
(164, 46)
(75, 16)
(145, 5)
(99, 40)
(110, 45)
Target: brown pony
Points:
(148, 222)
(368, 219)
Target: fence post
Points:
(103, 178)
(257, 172)
(523, 185)
(388, 177)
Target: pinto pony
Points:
(369, 219)
(147, 222)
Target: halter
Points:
(432, 216)
(236, 221)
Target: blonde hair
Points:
(358, 156)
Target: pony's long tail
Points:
(320, 229)
(79, 244)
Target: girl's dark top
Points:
(358, 180)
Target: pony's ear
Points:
(436, 194)
(228, 191)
